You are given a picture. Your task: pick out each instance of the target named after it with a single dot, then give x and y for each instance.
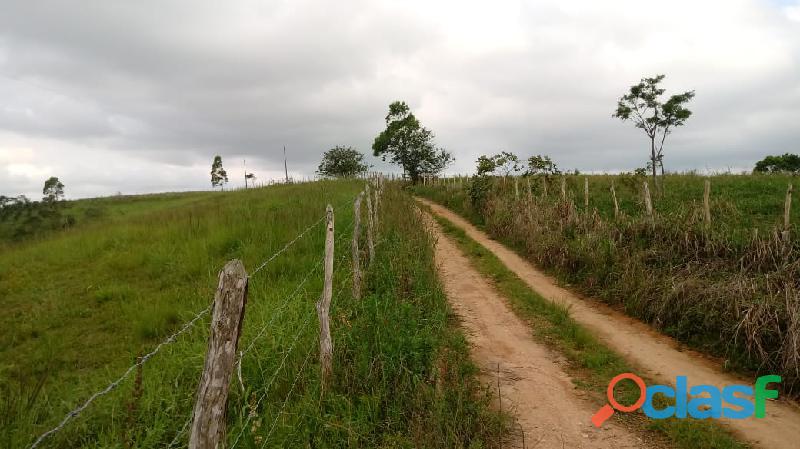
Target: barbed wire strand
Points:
(288, 395)
(119, 380)
(288, 245)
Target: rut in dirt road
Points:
(541, 395)
(656, 355)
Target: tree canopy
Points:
(53, 190)
(342, 162)
(407, 143)
(218, 174)
(785, 163)
(643, 105)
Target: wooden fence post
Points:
(324, 303)
(356, 252)
(707, 202)
(586, 195)
(208, 424)
(564, 188)
(648, 203)
(370, 226)
(787, 209)
(614, 198)
(544, 186)
(516, 188)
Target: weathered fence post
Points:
(586, 195)
(564, 188)
(529, 191)
(614, 198)
(787, 210)
(516, 188)
(648, 203)
(356, 252)
(707, 202)
(544, 186)
(208, 424)
(324, 303)
(370, 226)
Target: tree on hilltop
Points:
(407, 143)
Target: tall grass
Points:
(725, 289)
(80, 305)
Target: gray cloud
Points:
(138, 97)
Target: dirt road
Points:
(658, 357)
(531, 382)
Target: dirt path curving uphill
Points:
(658, 356)
(532, 384)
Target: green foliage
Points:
(506, 163)
(53, 190)
(218, 174)
(785, 163)
(342, 162)
(643, 105)
(542, 165)
(407, 143)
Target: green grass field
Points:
(82, 303)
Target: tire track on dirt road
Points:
(541, 395)
(658, 356)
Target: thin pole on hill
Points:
(787, 209)
(356, 252)
(648, 202)
(614, 198)
(208, 425)
(324, 303)
(285, 167)
(370, 226)
(707, 202)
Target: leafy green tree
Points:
(644, 107)
(342, 162)
(506, 163)
(218, 174)
(407, 143)
(53, 190)
(785, 163)
(542, 165)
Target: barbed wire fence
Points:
(200, 436)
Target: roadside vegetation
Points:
(81, 305)
(591, 364)
(728, 287)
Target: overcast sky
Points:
(139, 96)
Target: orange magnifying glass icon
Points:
(607, 410)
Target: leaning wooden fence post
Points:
(324, 303)
(707, 202)
(208, 424)
(614, 198)
(787, 210)
(356, 252)
(648, 203)
(370, 226)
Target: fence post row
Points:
(648, 203)
(208, 425)
(356, 255)
(614, 199)
(324, 303)
(370, 225)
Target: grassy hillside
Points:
(81, 304)
(723, 288)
